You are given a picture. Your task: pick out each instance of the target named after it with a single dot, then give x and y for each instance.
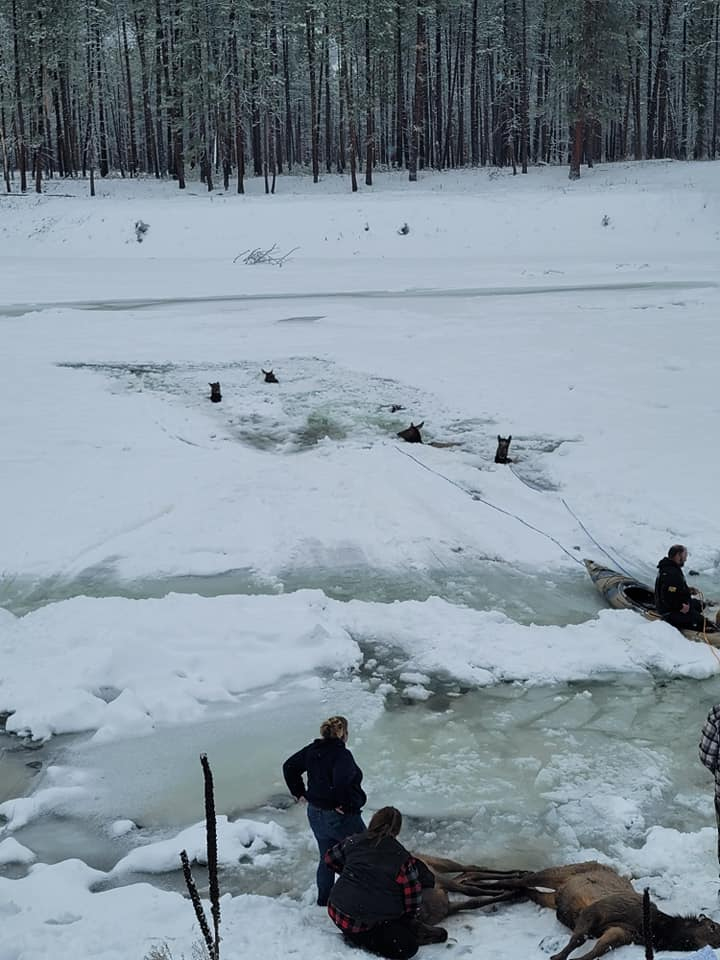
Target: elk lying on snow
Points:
(590, 898)
(270, 376)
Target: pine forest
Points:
(222, 90)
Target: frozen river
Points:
(512, 774)
(180, 577)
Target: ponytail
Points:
(385, 823)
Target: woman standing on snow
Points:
(333, 793)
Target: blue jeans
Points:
(329, 828)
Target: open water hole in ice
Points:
(510, 774)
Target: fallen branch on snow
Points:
(258, 255)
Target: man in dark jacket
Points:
(674, 600)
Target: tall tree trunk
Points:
(400, 117)
(164, 151)
(651, 99)
(21, 147)
(474, 126)
(540, 127)
(462, 43)
(369, 120)
(178, 108)
(418, 104)
(682, 151)
(524, 95)
(130, 102)
(289, 140)
(277, 140)
(152, 164)
(438, 91)
(89, 147)
(328, 109)
(345, 73)
(237, 110)
(40, 148)
(634, 72)
(3, 132)
(314, 122)
(657, 110)
(256, 135)
(713, 148)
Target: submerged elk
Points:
(412, 433)
(270, 377)
(503, 448)
(215, 395)
(595, 901)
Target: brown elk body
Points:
(270, 377)
(503, 448)
(595, 901)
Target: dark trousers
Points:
(395, 939)
(692, 620)
(717, 820)
(329, 828)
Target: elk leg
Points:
(612, 938)
(485, 873)
(443, 865)
(577, 938)
(474, 903)
(470, 888)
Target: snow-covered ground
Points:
(580, 318)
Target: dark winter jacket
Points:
(671, 590)
(379, 880)
(333, 777)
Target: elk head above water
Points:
(412, 433)
(503, 448)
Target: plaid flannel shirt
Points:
(710, 745)
(407, 876)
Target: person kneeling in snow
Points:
(377, 897)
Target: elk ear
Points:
(420, 425)
(499, 438)
(509, 438)
(263, 370)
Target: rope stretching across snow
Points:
(493, 506)
(587, 532)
